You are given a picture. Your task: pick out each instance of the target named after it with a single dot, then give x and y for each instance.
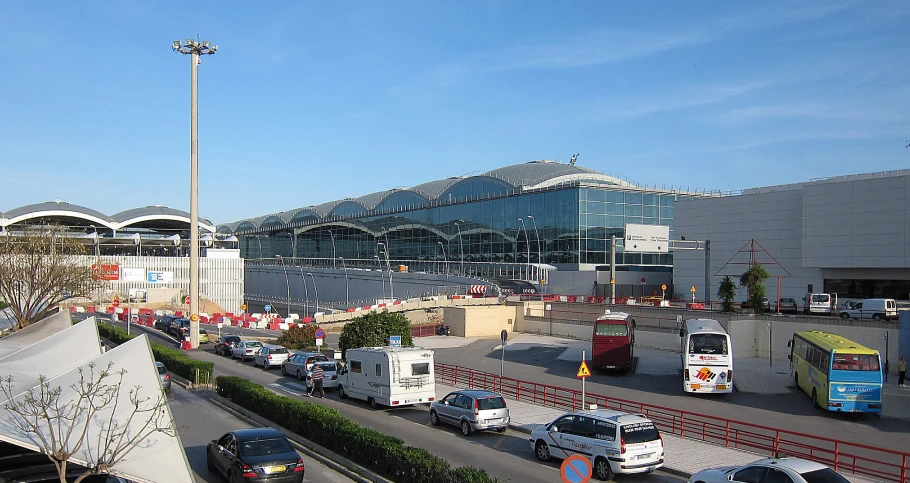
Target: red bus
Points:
(612, 342)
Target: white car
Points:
(615, 441)
(245, 349)
(270, 356)
(771, 470)
(329, 377)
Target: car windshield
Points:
(264, 447)
(162, 370)
(495, 402)
(707, 344)
(824, 475)
(330, 367)
(615, 329)
(253, 343)
(639, 432)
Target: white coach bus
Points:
(707, 357)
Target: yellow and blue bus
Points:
(837, 373)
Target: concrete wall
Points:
(480, 321)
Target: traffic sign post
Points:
(115, 303)
(395, 340)
(503, 337)
(770, 345)
(243, 307)
(320, 334)
(267, 308)
(693, 293)
(583, 373)
(576, 469)
(663, 291)
(186, 300)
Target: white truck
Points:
(388, 376)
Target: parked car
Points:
(179, 328)
(607, 433)
(472, 410)
(270, 356)
(164, 322)
(256, 454)
(245, 349)
(875, 309)
(300, 362)
(331, 370)
(164, 376)
(203, 336)
(786, 305)
(225, 344)
(782, 469)
(765, 303)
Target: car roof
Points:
(477, 393)
(253, 434)
(274, 346)
(251, 340)
(798, 465)
(615, 416)
(308, 354)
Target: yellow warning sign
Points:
(612, 281)
(583, 370)
(692, 289)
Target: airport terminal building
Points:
(845, 235)
(540, 220)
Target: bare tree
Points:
(65, 424)
(37, 265)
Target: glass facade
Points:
(573, 226)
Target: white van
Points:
(817, 303)
(616, 442)
(875, 309)
(388, 376)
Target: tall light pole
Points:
(527, 245)
(537, 234)
(259, 239)
(444, 258)
(333, 248)
(316, 291)
(97, 264)
(461, 248)
(194, 49)
(347, 298)
(288, 281)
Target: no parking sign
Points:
(576, 469)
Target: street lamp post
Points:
(461, 248)
(287, 280)
(97, 264)
(444, 258)
(333, 248)
(306, 293)
(194, 49)
(316, 291)
(527, 245)
(347, 298)
(259, 239)
(537, 234)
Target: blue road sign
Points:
(395, 340)
(220, 320)
(320, 334)
(576, 469)
(268, 308)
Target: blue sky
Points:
(307, 102)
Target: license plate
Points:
(410, 401)
(696, 386)
(721, 386)
(275, 469)
(645, 456)
(493, 420)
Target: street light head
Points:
(189, 42)
(176, 45)
(206, 44)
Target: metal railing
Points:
(843, 456)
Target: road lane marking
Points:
(282, 388)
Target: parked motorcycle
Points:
(443, 330)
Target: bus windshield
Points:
(615, 330)
(707, 344)
(855, 362)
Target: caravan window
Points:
(354, 366)
(378, 370)
(421, 369)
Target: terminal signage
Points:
(160, 277)
(647, 239)
(110, 272)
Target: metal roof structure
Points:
(149, 217)
(532, 175)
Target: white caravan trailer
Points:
(707, 357)
(389, 376)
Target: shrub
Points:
(386, 455)
(175, 360)
(374, 329)
(297, 337)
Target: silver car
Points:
(300, 363)
(270, 356)
(472, 410)
(164, 376)
(793, 470)
(245, 349)
(330, 370)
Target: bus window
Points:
(855, 362)
(612, 330)
(707, 344)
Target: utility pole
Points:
(194, 49)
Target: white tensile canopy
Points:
(156, 458)
(33, 333)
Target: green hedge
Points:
(175, 360)
(386, 455)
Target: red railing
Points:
(843, 456)
(424, 330)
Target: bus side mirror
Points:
(633, 323)
(790, 357)
(789, 343)
(681, 333)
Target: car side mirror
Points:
(445, 403)
(554, 429)
(633, 323)
(789, 343)
(729, 477)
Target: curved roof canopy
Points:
(149, 217)
(530, 175)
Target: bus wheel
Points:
(602, 469)
(815, 399)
